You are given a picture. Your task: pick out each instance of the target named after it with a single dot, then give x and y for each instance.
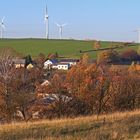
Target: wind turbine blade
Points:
(57, 24)
(46, 10)
(64, 24)
(3, 19)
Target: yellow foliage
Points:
(134, 67)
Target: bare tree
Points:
(5, 79)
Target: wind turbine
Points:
(60, 29)
(138, 31)
(2, 27)
(47, 22)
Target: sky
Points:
(113, 20)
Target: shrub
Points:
(130, 55)
(109, 56)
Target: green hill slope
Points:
(66, 48)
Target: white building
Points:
(63, 64)
(59, 66)
(71, 62)
(49, 63)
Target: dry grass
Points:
(113, 126)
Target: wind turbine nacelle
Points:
(46, 16)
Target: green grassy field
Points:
(117, 126)
(66, 48)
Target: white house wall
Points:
(63, 67)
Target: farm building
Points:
(61, 66)
(30, 66)
(71, 62)
(48, 64)
(19, 63)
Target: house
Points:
(61, 66)
(71, 62)
(29, 66)
(19, 63)
(50, 98)
(40, 89)
(45, 83)
(48, 64)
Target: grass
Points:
(117, 126)
(66, 48)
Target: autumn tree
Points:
(23, 86)
(125, 93)
(57, 90)
(130, 55)
(96, 86)
(16, 87)
(85, 60)
(90, 84)
(109, 56)
(40, 60)
(97, 45)
(10, 52)
(53, 56)
(23, 89)
(7, 106)
(5, 80)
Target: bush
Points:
(130, 55)
(109, 56)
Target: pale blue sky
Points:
(87, 19)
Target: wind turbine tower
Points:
(60, 29)
(2, 27)
(138, 31)
(47, 22)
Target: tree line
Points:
(86, 89)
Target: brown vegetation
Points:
(86, 89)
(130, 55)
(105, 127)
(108, 56)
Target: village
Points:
(56, 87)
(52, 87)
(69, 70)
(63, 64)
(46, 93)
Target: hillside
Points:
(66, 48)
(114, 126)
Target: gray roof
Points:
(69, 60)
(54, 61)
(61, 64)
(19, 61)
